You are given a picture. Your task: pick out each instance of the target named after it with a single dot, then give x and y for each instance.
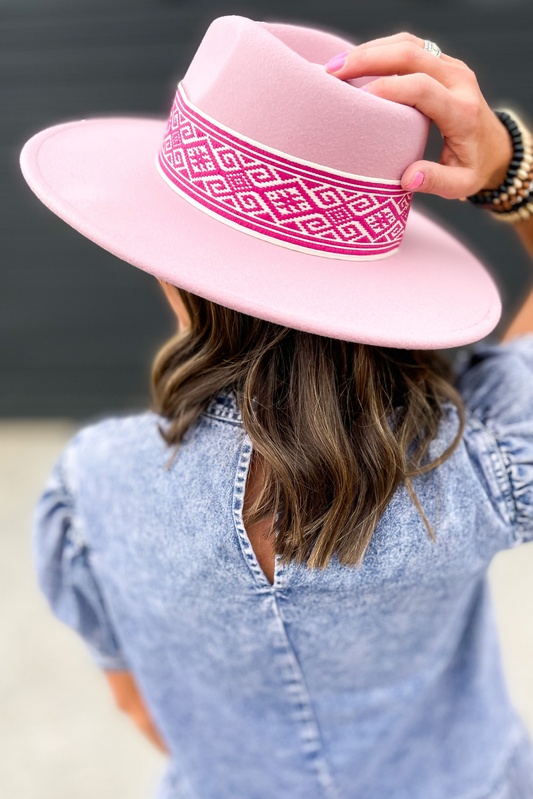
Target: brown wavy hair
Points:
(337, 425)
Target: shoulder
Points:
(119, 434)
(110, 452)
(142, 429)
(496, 383)
(130, 445)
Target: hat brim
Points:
(100, 177)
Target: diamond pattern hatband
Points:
(277, 197)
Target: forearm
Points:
(128, 699)
(523, 321)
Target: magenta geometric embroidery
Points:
(278, 197)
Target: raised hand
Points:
(477, 148)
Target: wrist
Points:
(503, 148)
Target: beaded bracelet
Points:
(512, 201)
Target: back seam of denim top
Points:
(302, 710)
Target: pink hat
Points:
(274, 189)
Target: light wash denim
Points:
(379, 682)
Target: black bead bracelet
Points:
(512, 200)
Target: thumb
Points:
(428, 177)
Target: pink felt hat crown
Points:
(274, 189)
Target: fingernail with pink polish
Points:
(336, 62)
(416, 181)
(363, 89)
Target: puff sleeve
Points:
(63, 566)
(497, 386)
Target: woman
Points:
(292, 599)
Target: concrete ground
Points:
(60, 736)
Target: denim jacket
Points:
(377, 682)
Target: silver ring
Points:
(432, 48)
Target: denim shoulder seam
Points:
(76, 532)
(498, 465)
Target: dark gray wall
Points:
(78, 327)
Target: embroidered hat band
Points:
(278, 197)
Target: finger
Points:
(450, 182)
(394, 39)
(403, 37)
(421, 92)
(403, 58)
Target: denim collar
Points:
(224, 406)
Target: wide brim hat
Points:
(273, 189)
